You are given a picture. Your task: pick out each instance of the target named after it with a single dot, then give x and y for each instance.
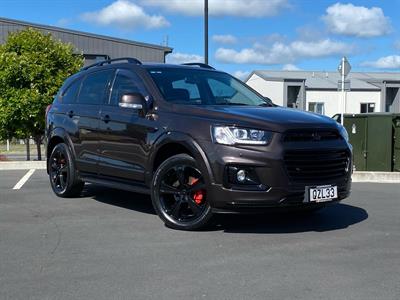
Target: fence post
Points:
(28, 152)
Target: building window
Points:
(317, 107)
(367, 108)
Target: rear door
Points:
(124, 134)
(93, 93)
(64, 108)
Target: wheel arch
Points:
(57, 136)
(173, 143)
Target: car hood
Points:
(277, 119)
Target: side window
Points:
(317, 107)
(94, 88)
(69, 95)
(367, 107)
(126, 82)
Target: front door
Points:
(124, 133)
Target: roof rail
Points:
(130, 60)
(201, 65)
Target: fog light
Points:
(241, 176)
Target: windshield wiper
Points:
(232, 103)
(267, 104)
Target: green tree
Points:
(33, 67)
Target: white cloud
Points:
(281, 53)
(242, 75)
(181, 58)
(239, 8)
(126, 15)
(290, 67)
(320, 48)
(386, 62)
(360, 21)
(224, 38)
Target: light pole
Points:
(206, 31)
(343, 93)
(344, 70)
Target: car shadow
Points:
(128, 200)
(333, 217)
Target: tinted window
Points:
(191, 88)
(200, 87)
(95, 87)
(69, 95)
(220, 89)
(126, 82)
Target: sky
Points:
(244, 35)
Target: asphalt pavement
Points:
(109, 244)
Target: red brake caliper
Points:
(198, 196)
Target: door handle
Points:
(106, 118)
(70, 113)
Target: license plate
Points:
(322, 193)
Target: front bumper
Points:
(281, 191)
(229, 200)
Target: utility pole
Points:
(206, 31)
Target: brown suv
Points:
(197, 140)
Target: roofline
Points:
(371, 81)
(326, 71)
(86, 34)
(336, 90)
(249, 76)
(279, 79)
(257, 72)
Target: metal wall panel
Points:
(94, 45)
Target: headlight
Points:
(235, 135)
(343, 133)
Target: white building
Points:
(318, 91)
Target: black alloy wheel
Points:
(63, 179)
(179, 194)
(59, 170)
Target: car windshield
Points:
(200, 87)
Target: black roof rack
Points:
(201, 65)
(130, 60)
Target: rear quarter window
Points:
(68, 96)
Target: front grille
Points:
(305, 135)
(316, 166)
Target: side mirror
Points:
(134, 101)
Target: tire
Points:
(179, 194)
(62, 173)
